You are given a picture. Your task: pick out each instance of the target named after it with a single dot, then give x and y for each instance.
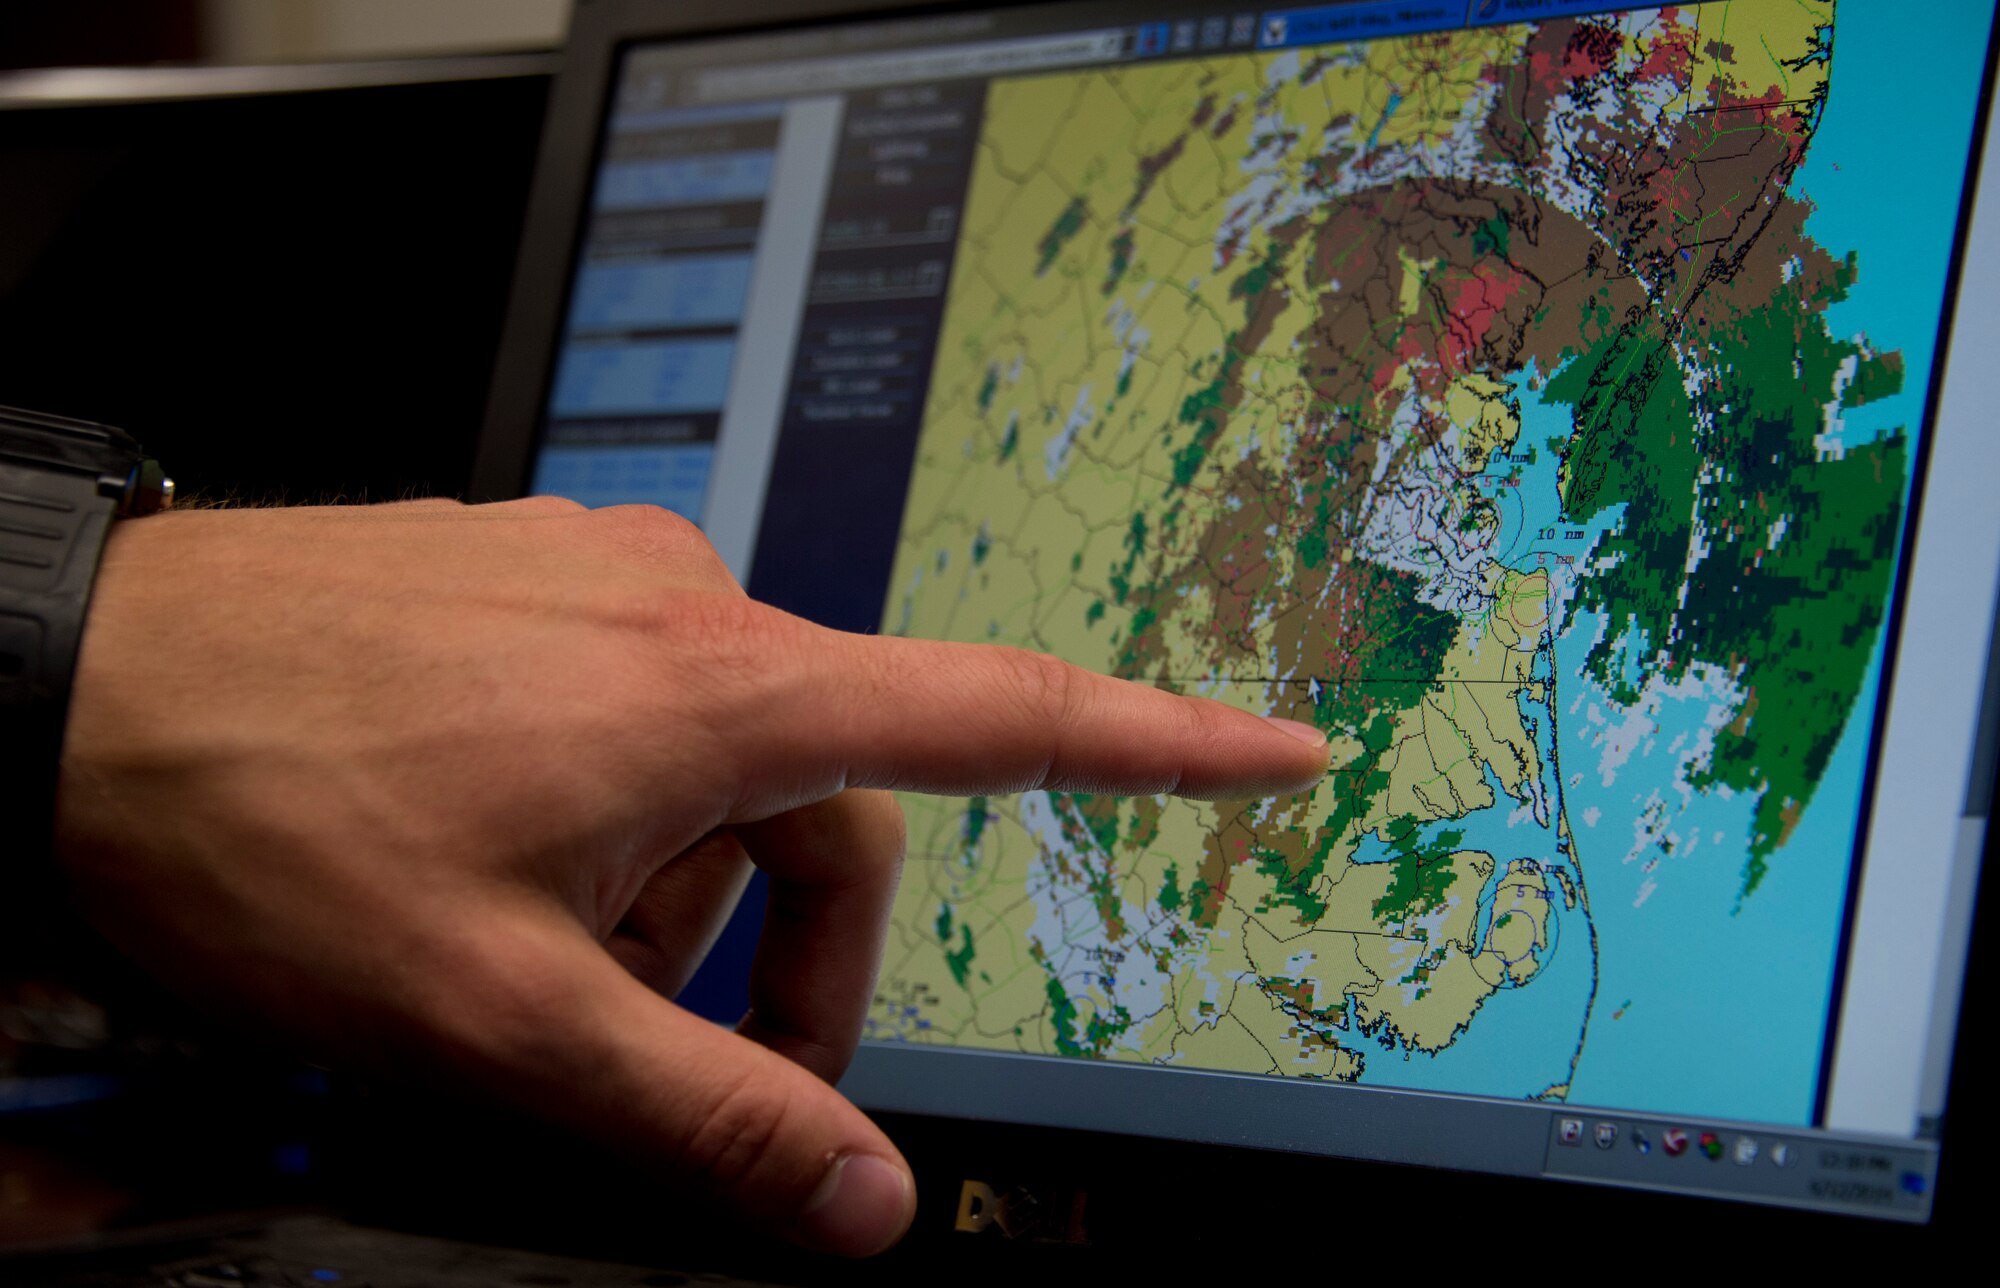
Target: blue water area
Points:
(1709, 1003)
(1521, 482)
(1388, 111)
(1524, 484)
(1886, 170)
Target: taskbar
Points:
(1801, 1169)
(1796, 1167)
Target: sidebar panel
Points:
(651, 335)
(855, 399)
(756, 403)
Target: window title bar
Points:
(1330, 24)
(1269, 30)
(951, 62)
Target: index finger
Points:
(920, 715)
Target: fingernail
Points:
(864, 1205)
(1305, 733)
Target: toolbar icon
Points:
(1783, 1155)
(1746, 1151)
(1275, 31)
(1711, 1146)
(1214, 31)
(1152, 39)
(1570, 1131)
(1243, 29)
(1675, 1141)
(1606, 1135)
(1642, 1140)
(1184, 36)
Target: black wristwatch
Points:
(62, 483)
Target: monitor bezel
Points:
(970, 1146)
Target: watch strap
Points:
(53, 525)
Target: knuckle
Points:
(1044, 685)
(651, 526)
(730, 630)
(547, 505)
(666, 542)
(724, 657)
(1195, 720)
(874, 668)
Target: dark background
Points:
(293, 296)
(298, 297)
(101, 33)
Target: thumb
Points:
(542, 1018)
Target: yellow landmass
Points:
(1766, 47)
(1479, 409)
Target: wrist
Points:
(62, 485)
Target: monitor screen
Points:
(1540, 397)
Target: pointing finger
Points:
(972, 718)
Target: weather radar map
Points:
(1499, 402)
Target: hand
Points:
(464, 794)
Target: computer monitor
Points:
(287, 282)
(1574, 409)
